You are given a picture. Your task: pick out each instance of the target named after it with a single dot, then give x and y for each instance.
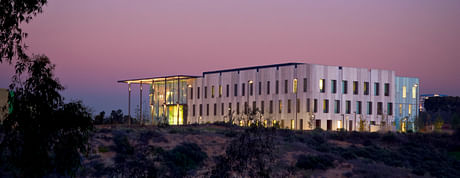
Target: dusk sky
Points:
(94, 43)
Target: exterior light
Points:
(190, 86)
(250, 81)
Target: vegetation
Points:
(43, 135)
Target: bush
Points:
(315, 162)
(103, 149)
(183, 158)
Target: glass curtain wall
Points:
(168, 101)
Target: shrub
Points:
(184, 157)
(103, 149)
(315, 162)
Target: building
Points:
(407, 98)
(3, 104)
(424, 97)
(293, 95)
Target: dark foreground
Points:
(228, 151)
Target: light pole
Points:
(295, 90)
(247, 105)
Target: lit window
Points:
(410, 109)
(220, 90)
(400, 109)
(404, 92)
(321, 85)
(294, 86)
(414, 92)
(292, 124)
(339, 124)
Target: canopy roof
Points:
(150, 80)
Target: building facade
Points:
(291, 95)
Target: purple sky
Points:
(95, 43)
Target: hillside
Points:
(220, 150)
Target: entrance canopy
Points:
(156, 79)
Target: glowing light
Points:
(294, 87)
(404, 92)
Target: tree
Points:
(43, 135)
(455, 121)
(116, 116)
(438, 123)
(99, 119)
(12, 14)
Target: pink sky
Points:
(95, 43)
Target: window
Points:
(251, 88)
(400, 109)
(268, 87)
(325, 106)
(379, 108)
(220, 91)
(292, 124)
(242, 89)
(317, 123)
(271, 107)
(212, 91)
(358, 107)
(404, 92)
(414, 92)
(315, 105)
(289, 106)
(215, 109)
(355, 87)
(333, 86)
(280, 106)
(337, 106)
(390, 108)
(277, 87)
(229, 108)
(260, 88)
(329, 124)
(262, 107)
(369, 107)
(198, 93)
(201, 109)
(410, 109)
(191, 93)
(205, 92)
(308, 105)
(348, 107)
(366, 88)
(285, 86)
(235, 90)
(254, 106)
(246, 107)
(387, 89)
(297, 108)
(322, 86)
(193, 110)
(339, 124)
(294, 86)
(301, 124)
(207, 109)
(237, 107)
(376, 89)
(222, 109)
(228, 91)
(305, 84)
(344, 87)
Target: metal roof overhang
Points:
(150, 80)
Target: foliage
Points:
(455, 121)
(183, 158)
(438, 123)
(99, 119)
(250, 155)
(43, 135)
(315, 162)
(12, 14)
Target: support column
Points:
(178, 99)
(140, 102)
(129, 103)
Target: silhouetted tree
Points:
(116, 116)
(99, 119)
(12, 14)
(43, 135)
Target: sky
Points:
(96, 43)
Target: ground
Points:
(221, 150)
